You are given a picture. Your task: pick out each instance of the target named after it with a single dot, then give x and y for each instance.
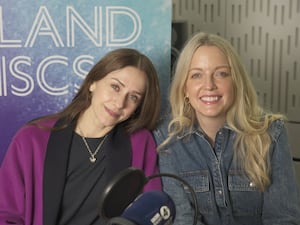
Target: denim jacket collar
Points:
(196, 129)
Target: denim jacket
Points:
(224, 194)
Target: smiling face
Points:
(209, 84)
(115, 97)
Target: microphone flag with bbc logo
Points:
(149, 208)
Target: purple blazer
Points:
(31, 177)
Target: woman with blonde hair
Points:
(232, 152)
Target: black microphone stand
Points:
(185, 183)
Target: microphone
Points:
(118, 202)
(152, 207)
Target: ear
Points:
(92, 87)
(185, 94)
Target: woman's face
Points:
(209, 84)
(116, 97)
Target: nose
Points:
(209, 82)
(120, 101)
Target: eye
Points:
(221, 74)
(196, 75)
(115, 87)
(134, 98)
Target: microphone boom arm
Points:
(185, 183)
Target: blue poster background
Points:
(47, 47)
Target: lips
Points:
(112, 113)
(210, 99)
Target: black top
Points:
(83, 183)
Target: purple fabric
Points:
(21, 172)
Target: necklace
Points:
(92, 155)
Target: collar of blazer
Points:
(118, 157)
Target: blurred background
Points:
(266, 34)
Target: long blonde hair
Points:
(245, 117)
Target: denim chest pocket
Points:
(245, 199)
(199, 181)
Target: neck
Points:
(211, 127)
(88, 128)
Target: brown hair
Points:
(147, 113)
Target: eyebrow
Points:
(216, 68)
(123, 85)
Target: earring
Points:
(186, 105)
(186, 100)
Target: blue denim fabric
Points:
(224, 194)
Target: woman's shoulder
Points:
(36, 127)
(141, 137)
(276, 127)
(162, 127)
(143, 132)
(31, 133)
(163, 124)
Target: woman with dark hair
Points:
(57, 166)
